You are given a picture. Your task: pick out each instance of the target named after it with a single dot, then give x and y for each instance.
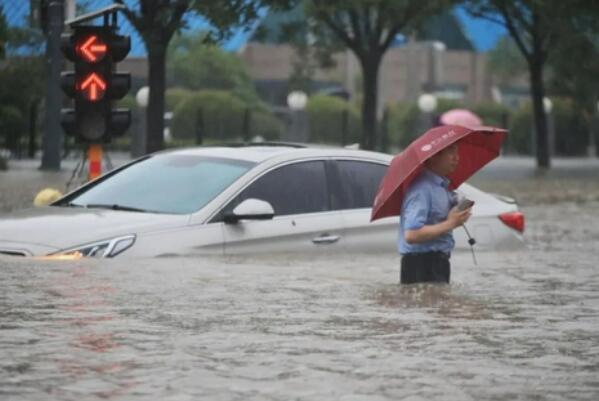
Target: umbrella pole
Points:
(471, 241)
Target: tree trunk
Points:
(370, 72)
(540, 118)
(157, 84)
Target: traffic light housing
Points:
(94, 85)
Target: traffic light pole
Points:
(52, 139)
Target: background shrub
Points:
(326, 114)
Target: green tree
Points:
(312, 43)
(368, 28)
(22, 83)
(313, 49)
(194, 64)
(535, 26)
(506, 61)
(26, 40)
(575, 75)
(22, 80)
(158, 20)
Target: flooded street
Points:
(520, 325)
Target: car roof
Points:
(259, 153)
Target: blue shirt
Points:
(427, 201)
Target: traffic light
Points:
(94, 85)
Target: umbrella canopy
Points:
(476, 147)
(460, 117)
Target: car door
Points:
(353, 193)
(303, 221)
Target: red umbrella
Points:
(460, 117)
(477, 146)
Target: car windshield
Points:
(179, 184)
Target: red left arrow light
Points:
(92, 49)
(93, 87)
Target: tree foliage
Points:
(575, 63)
(368, 28)
(536, 26)
(194, 64)
(313, 44)
(22, 84)
(22, 81)
(158, 20)
(506, 62)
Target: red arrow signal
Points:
(92, 49)
(93, 87)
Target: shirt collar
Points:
(437, 179)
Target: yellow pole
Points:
(94, 159)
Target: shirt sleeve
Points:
(415, 210)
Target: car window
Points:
(179, 184)
(358, 183)
(291, 189)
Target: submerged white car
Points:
(234, 200)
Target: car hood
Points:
(58, 228)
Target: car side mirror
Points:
(250, 209)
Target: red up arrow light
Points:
(93, 87)
(91, 49)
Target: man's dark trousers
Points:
(428, 267)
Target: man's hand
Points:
(456, 218)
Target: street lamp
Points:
(138, 140)
(297, 100)
(548, 107)
(143, 96)
(436, 50)
(427, 103)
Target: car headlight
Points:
(102, 249)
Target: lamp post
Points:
(297, 101)
(138, 140)
(548, 107)
(53, 137)
(435, 74)
(427, 104)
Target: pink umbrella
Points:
(461, 117)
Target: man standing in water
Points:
(428, 217)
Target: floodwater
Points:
(520, 325)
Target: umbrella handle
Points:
(471, 241)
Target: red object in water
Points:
(514, 220)
(460, 117)
(476, 147)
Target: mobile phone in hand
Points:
(464, 204)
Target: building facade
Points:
(405, 73)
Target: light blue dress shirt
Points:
(427, 201)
